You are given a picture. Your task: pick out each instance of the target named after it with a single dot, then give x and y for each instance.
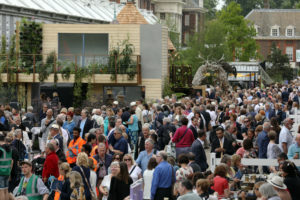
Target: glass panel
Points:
(133, 93)
(70, 45)
(96, 49)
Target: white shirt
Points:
(135, 173)
(65, 136)
(106, 183)
(148, 175)
(285, 136)
(93, 181)
(202, 142)
(99, 119)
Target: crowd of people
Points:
(99, 153)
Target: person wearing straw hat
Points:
(280, 187)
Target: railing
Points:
(34, 64)
(181, 76)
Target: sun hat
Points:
(277, 182)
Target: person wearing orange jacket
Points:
(75, 147)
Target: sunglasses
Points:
(127, 159)
(117, 158)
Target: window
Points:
(289, 31)
(88, 48)
(275, 31)
(186, 20)
(186, 37)
(289, 51)
(163, 16)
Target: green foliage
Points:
(240, 35)
(221, 38)
(120, 60)
(280, 65)
(31, 39)
(3, 45)
(46, 69)
(247, 5)
(210, 5)
(284, 4)
(167, 90)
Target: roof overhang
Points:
(200, 10)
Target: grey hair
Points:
(266, 126)
(267, 190)
(50, 146)
(147, 126)
(92, 131)
(225, 158)
(30, 108)
(163, 155)
(150, 141)
(17, 132)
(101, 145)
(114, 163)
(119, 130)
(286, 121)
(167, 120)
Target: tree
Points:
(247, 5)
(284, 4)
(211, 5)
(240, 33)
(280, 68)
(222, 38)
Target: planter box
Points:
(96, 78)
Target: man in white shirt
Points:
(285, 136)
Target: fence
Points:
(70, 63)
(248, 162)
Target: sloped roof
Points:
(94, 10)
(131, 15)
(266, 18)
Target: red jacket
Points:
(187, 140)
(51, 166)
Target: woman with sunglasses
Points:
(134, 171)
(105, 184)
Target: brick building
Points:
(281, 26)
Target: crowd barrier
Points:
(248, 162)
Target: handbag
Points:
(170, 149)
(93, 195)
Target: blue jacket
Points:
(163, 177)
(262, 141)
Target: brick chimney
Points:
(267, 4)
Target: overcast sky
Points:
(220, 4)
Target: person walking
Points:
(183, 138)
(31, 185)
(163, 178)
(74, 147)
(51, 163)
(6, 163)
(148, 176)
(120, 184)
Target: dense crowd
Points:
(162, 146)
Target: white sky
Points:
(220, 4)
